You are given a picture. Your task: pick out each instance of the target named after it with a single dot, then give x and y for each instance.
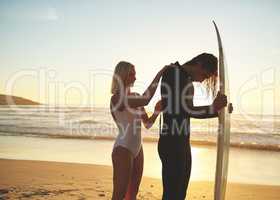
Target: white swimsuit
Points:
(129, 124)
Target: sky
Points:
(64, 52)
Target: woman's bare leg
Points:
(122, 169)
(136, 177)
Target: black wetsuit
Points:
(174, 143)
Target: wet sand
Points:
(23, 179)
(245, 166)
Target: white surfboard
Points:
(223, 140)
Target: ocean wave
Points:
(87, 122)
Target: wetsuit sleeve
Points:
(166, 87)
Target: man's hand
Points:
(219, 102)
(230, 108)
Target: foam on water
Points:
(252, 131)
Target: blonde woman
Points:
(128, 112)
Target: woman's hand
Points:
(158, 107)
(166, 67)
(219, 102)
(149, 121)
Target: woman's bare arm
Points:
(133, 101)
(149, 121)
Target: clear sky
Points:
(65, 51)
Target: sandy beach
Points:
(21, 179)
(74, 76)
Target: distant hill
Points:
(14, 100)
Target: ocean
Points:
(76, 134)
(248, 131)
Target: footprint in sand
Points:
(101, 195)
(3, 193)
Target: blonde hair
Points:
(120, 75)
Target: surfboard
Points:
(223, 138)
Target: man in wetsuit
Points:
(174, 144)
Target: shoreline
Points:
(27, 179)
(244, 164)
(196, 142)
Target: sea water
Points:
(247, 130)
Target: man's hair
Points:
(209, 62)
